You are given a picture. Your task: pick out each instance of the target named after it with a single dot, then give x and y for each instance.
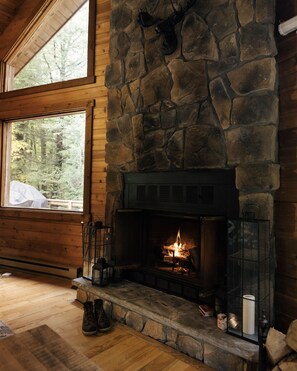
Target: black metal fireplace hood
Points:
(201, 192)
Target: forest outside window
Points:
(45, 162)
(66, 56)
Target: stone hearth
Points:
(173, 321)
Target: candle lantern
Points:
(102, 272)
(97, 243)
(248, 276)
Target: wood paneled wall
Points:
(56, 237)
(286, 197)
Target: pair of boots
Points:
(94, 318)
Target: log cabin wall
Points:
(51, 236)
(286, 197)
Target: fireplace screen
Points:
(180, 254)
(171, 233)
(248, 286)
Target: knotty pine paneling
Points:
(8, 9)
(286, 196)
(285, 285)
(56, 237)
(51, 242)
(285, 308)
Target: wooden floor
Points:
(28, 300)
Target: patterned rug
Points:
(5, 330)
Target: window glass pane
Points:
(46, 163)
(64, 57)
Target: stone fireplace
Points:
(212, 104)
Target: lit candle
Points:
(248, 314)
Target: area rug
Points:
(5, 331)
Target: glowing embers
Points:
(177, 255)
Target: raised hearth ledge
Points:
(173, 321)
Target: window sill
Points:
(40, 214)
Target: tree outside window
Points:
(63, 58)
(48, 155)
(45, 156)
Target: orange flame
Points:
(178, 246)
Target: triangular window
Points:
(63, 58)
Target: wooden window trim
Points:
(63, 107)
(9, 212)
(92, 37)
(41, 215)
(48, 87)
(88, 162)
(89, 79)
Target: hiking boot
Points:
(89, 325)
(103, 323)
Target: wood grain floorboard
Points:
(29, 300)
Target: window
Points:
(45, 162)
(63, 58)
(46, 149)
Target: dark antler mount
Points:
(165, 27)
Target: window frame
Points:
(89, 79)
(80, 106)
(65, 107)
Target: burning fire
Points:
(177, 249)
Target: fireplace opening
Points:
(167, 242)
(191, 247)
(181, 254)
(174, 244)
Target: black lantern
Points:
(248, 276)
(97, 243)
(102, 272)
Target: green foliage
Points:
(48, 153)
(63, 58)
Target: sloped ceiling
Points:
(8, 9)
(26, 26)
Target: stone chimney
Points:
(213, 103)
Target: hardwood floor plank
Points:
(30, 300)
(160, 362)
(141, 362)
(19, 353)
(7, 361)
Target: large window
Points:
(46, 148)
(63, 58)
(45, 162)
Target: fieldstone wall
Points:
(213, 103)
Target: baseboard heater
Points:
(38, 266)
